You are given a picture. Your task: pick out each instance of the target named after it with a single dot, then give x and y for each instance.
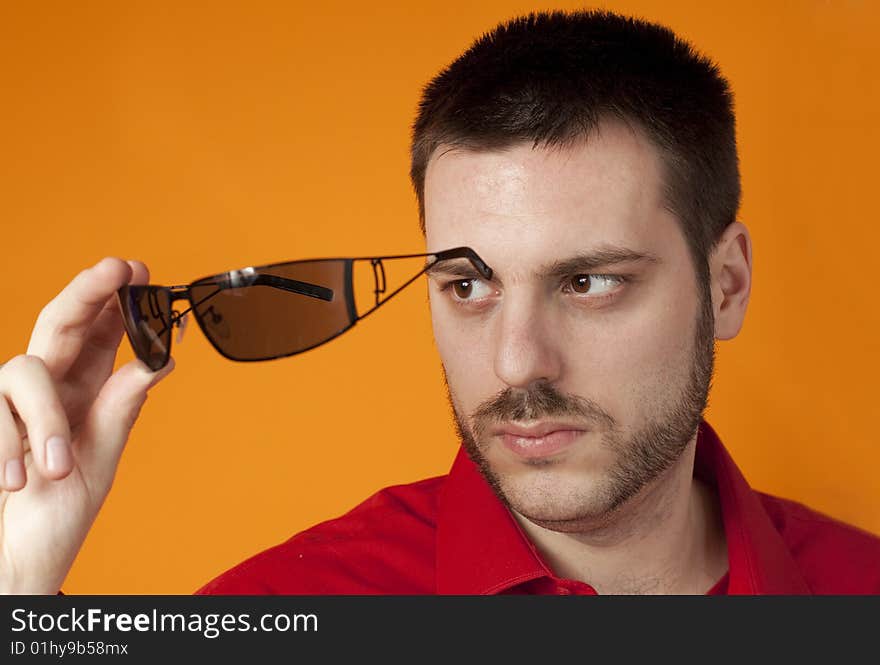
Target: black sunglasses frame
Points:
(228, 280)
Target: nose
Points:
(527, 344)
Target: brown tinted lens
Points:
(274, 311)
(146, 313)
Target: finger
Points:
(113, 414)
(29, 390)
(140, 273)
(12, 471)
(62, 325)
(107, 328)
(98, 355)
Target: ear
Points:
(730, 268)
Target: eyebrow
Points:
(458, 267)
(585, 262)
(601, 257)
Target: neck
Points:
(668, 539)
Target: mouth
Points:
(538, 440)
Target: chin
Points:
(556, 497)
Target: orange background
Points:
(202, 137)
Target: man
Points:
(590, 159)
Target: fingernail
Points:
(13, 473)
(57, 454)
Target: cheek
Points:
(634, 358)
(464, 352)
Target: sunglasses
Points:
(265, 312)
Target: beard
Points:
(638, 459)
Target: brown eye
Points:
(580, 283)
(463, 288)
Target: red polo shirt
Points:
(451, 535)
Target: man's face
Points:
(573, 385)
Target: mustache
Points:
(540, 401)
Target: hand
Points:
(64, 420)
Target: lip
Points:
(536, 430)
(538, 440)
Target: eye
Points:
(467, 290)
(594, 284)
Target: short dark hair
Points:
(549, 78)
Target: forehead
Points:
(535, 203)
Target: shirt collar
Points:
(482, 550)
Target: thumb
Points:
(110, 419)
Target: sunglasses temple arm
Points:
(382, 301)
(454, 253)
(379, 271)
(463, 253)
(294, 286)
(290, 285)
